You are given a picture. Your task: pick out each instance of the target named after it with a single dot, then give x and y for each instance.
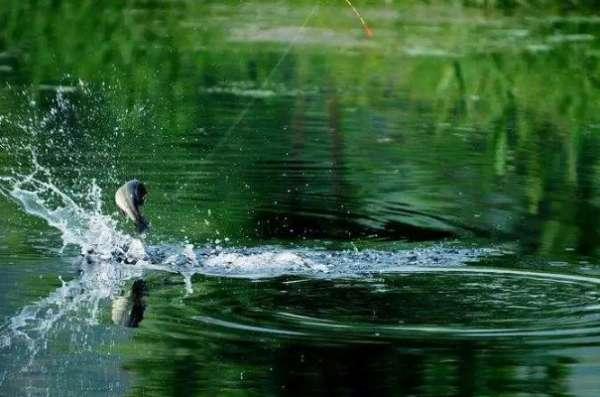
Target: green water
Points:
(282, 124)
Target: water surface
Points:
(332, 214)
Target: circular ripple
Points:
(415, 302)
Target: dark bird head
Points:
(129, 198)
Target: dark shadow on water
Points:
(277, 225)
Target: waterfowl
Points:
(129, 198)
(129, 310)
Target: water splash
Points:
(70, 201)
(38, 194)
(110, 259)
(100, 280)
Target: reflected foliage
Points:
(271, 121)
(318, 131)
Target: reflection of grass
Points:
(505, 102)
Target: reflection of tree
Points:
(488, 137)
(588, 211)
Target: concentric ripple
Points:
(417, 302)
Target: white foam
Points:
(263, 264)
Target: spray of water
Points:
(109, 259)
(100, 280)
(75, 209)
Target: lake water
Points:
(412, 213)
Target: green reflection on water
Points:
(449, 119)
(207, 357)
(279, 121)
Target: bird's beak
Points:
(129, 198)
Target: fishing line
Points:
(368, 30)
(244, 112)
